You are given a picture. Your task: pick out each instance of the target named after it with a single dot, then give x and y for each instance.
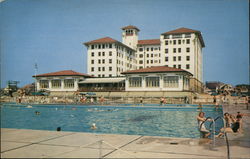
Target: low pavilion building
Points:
(60, 81)
(158, 78)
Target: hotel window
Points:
(166, 42)
(110, 53)
(103, 68)
(174, 42)
(187, 66)
(174, 50)
(110, 60)
(140, 49)
(99, 53)
(103, 75)
(110, 45)
(103, 61)
(171, 82)
(44, 84)
(99, 46)
(92, 46)
(103, 46)
(166, 51)
(69, 83)
(92, 69)
(166, 36)
(179, 66)
(174, 66)
(179, 41)
(179, 50)
(174, 58)
(147, 61)
(135, 82)
(147, 49)
(166, 58)
(187, 35)
(188, 41)
(103, 53)
(177, 36)
(99, 68)
(99, 75)
(151, 61)
(92, 61)
(152, 55)
(188, 58)
(179, 58)
(99, 61)
(140, 62)
(147, 55)
(110, 68)
(141, 55)
(152, 49)
(56, 83)
(187, 49)
(152, 81)
(110, 75)
(92, 54)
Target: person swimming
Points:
(93, 126)
(37, 112)
(58, 129)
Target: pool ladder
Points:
(225, 133)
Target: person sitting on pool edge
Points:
(201, 118)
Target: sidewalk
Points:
(23, 143)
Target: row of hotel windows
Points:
(101, 54)
(150, 61)
(109, 46)
(169, 42)
(101, 61)
(101, 69)
(168, 81)
(179, 50)
(176, 36)
(152, 49)
(68, 83)
(179, 58)
(110, 75)
(152, 55)
(179, 66)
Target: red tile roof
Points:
(62, 73)
(155, 69)
(106, 40)
(186, 30)
(149, 42)
(101, 40)
(181, 30)
(130, 27)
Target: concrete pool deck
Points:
(24, 143)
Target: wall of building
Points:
(41, 83)
(104, 61)
(182, 83)
(148, 56)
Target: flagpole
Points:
(35, 81)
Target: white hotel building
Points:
(180, 48)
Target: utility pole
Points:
(36, 68)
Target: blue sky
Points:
(51, 32)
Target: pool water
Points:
(170, 120)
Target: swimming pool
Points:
(169, 120)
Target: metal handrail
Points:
(224, 131)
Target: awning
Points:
(102, 80)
